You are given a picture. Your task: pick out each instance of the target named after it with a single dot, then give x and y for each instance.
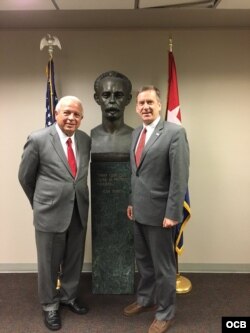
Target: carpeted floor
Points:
(200, 311)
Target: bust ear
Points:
(97, 99)
(129, 99)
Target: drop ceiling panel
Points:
(233, 4)
(26, 5)
(166, 3)
(95, 4)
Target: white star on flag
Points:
(172, 115)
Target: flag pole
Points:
(50, 42)
(183, 285)
(51, 97)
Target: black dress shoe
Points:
(76, 308)
(52, 320)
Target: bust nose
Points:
(112, 98)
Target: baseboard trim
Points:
(214, 268)
(187, 268)
(31, 268)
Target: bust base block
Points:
(113, 262)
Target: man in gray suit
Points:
(59, 198)
(159, 183)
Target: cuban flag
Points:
(173, 115)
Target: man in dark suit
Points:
(159, 183)
(58, 194)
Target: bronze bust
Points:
(111, 140)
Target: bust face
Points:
(113, 96)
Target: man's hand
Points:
(167, 223)
(130, 212)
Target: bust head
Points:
(113, 94)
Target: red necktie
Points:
(140, 147)
(71, 157)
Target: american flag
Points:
(51, 96)
(173, 115)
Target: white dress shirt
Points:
(150, 129)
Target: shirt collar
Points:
(153, 124)
(63, 136)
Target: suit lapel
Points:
(153, 138)
(55, 140)
(78, 150)
(134, 142)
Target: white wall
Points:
(214, 86)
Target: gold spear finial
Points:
(170, 43)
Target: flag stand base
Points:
(183, 285)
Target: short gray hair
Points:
(65, 99)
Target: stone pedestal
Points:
(113, 262)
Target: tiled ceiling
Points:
(95, 4)
(89, 14)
